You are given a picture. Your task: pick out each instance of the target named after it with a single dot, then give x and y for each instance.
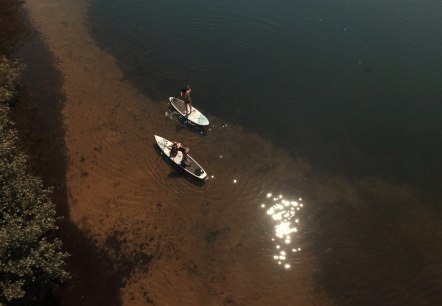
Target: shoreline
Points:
(38, 118)
(43, 117)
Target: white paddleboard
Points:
(195, 116)
(194, 168)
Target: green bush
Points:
(30, 263)
(10, 72)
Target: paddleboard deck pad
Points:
(189, 165)
(195, 116)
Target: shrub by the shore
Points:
(30, 262)
(10, 72)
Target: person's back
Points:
(178, 147)
(184, 150)
(174, 149)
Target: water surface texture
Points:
(347, 96)
(352, 86)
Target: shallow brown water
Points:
(143, 233)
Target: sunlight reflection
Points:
(283, 214)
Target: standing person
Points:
(187, 101)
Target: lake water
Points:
(351, 86)
(350, 91)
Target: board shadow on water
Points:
(183, 123)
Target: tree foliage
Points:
(10, 72)
(30, 262)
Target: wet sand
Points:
(141, 237)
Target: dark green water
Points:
(351, 87)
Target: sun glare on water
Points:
(284, 215)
